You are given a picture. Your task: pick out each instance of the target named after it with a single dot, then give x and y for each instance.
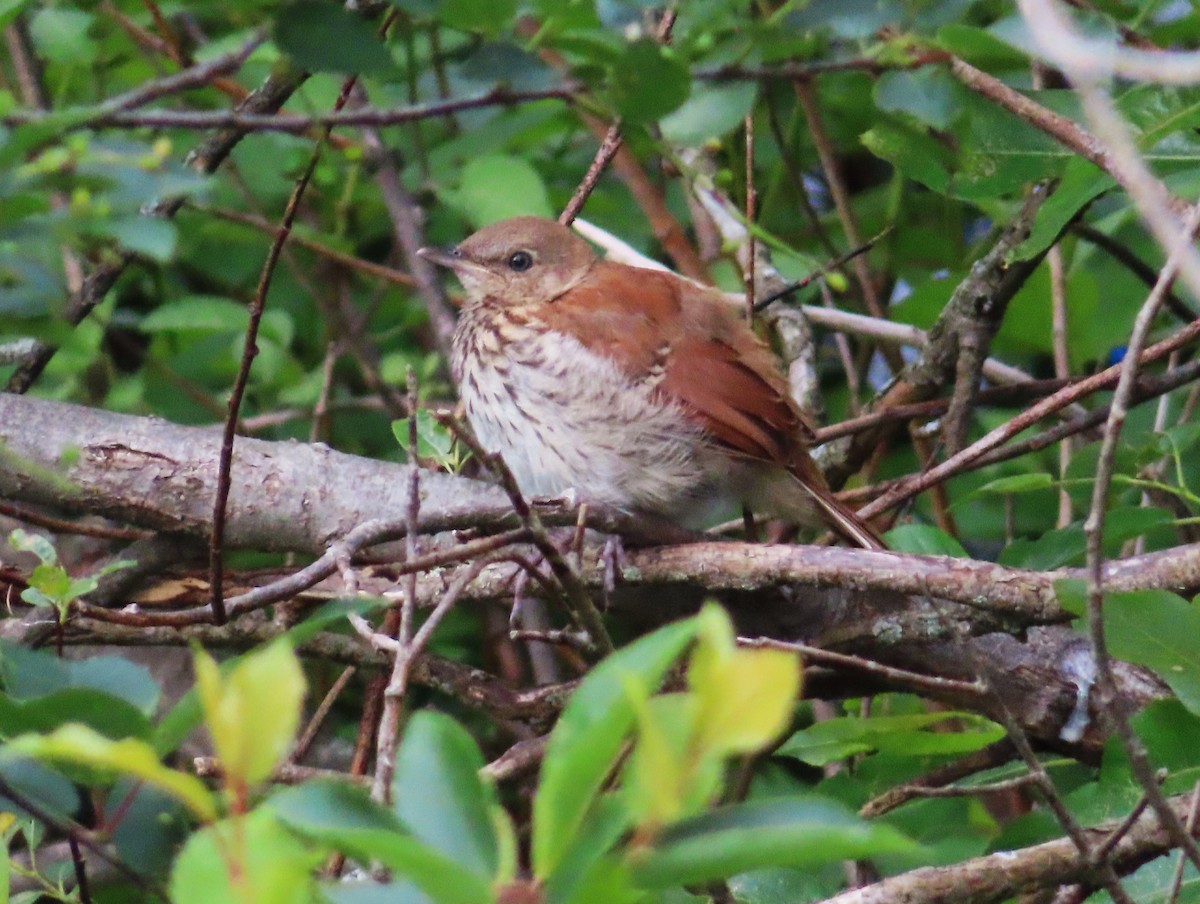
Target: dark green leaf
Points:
(924, 539)
(648, 82)
(835, 739)
(709, 114)
(439, 795)
(324, 37)
(1054, 549)
(929, 95)
(797, 832)
(109, 715)
(30, 674)
(1171, 734)
(1159, 630)
(344, 817)
(589, 735)
(490, 18)
(911, 150)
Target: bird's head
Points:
(522, 261)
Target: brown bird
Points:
(635, 388)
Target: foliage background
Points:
(151, 152)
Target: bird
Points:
(630, 387)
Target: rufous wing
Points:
(698, 351)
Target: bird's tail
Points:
(843, 521)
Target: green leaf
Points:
(1161, 631)
(23, 541)
(434, 440)
(439, 795)
(648, 82)
(344, 817)
(490, 18)
(323, 37)
(108, 715)
(1018, 483)
(333, 612)
(328, 809)
(1053, 549)
(81, 746)
(10, 9)
(1171, 734)
(248, 858)
(52, 790)
(798, 832)
(924, 539)
(253, 711)
(709, 114)
(929, 95)
(1071, 594)
(30, 674)
(586, 871)
(200, 313)
(912, 151)
(1082, 182)
(979, 47)
(496, 187)
(150, 237)
(835, 739)
(61, 35)
(590, 734)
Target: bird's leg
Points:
(612, 557)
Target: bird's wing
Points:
(696, 350)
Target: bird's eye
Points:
(520, 261)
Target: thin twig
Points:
(83, 836)
(249, 351)
(257, 122)
(1094, 531)
(609, 146)
(579, 600)
(1105, 379)
(388, 734)
(887, 672)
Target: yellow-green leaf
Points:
(81, 746)
(251, 858)
(745, 697)
(657, 777)
(253, 711)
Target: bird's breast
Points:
(565, 417)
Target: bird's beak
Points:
(451, 258)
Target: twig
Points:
(890, 673)
(520, 759)
(1094, 531)
(750, 214)
(83, 836)
(319, 715)
(256, 122)
(249, 351)
(820, 272)
(388, 733)
(609, 145)
(575, 592)
(988, 757)
(1138, 267)
(995, 438)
